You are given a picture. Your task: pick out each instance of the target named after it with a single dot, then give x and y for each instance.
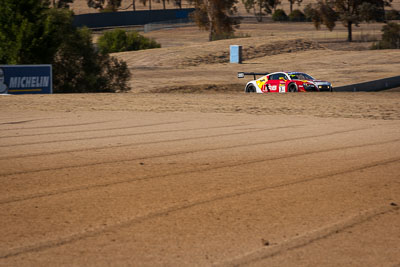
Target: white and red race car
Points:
(283, 82)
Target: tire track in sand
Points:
(98, 148)
(177, 140)
(56, 126)
(110, 228)
(242, 163)
(85, 138)
(92, 130)
(19, 122)
(309, 237)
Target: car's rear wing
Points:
(242, 74)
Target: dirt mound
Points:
(251, 52)
(204, 88)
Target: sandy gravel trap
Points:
(200, 179)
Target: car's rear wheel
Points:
(292, 88)
(250, 89)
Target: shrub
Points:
(390, 37)
(79, 68)
(119, 41)
(297, 15)
(279, 15)
(392, 15)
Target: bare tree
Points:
(144, 2)
(178, 3)
(216, 16)
(163, 2)
(292, 2)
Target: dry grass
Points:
(189, 60)
(80, 6)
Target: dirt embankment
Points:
(253, 51)
(188, 61)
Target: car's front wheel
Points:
(292, 88)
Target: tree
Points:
(33, 33)
(292, 2)
(259, 7)
(105, 5)
(312, 14)
(274, 4)
(163, 2)
(392, 15)
(133, 5)
(61, 3)
(178, 3)
(216, 16)
(144, 2)
(390, 37)
(23, 29)
(349, 12)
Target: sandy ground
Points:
(200, 179)
(189, 170)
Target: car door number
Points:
(281, 88)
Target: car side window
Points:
(275, 77)
(281, 76)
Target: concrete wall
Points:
(128, 18)
(372, 86)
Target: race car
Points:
(282, 82)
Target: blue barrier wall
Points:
(372, 86)
(128, 18)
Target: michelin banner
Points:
(26, 79)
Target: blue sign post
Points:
(26, 79)
(236, 54)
